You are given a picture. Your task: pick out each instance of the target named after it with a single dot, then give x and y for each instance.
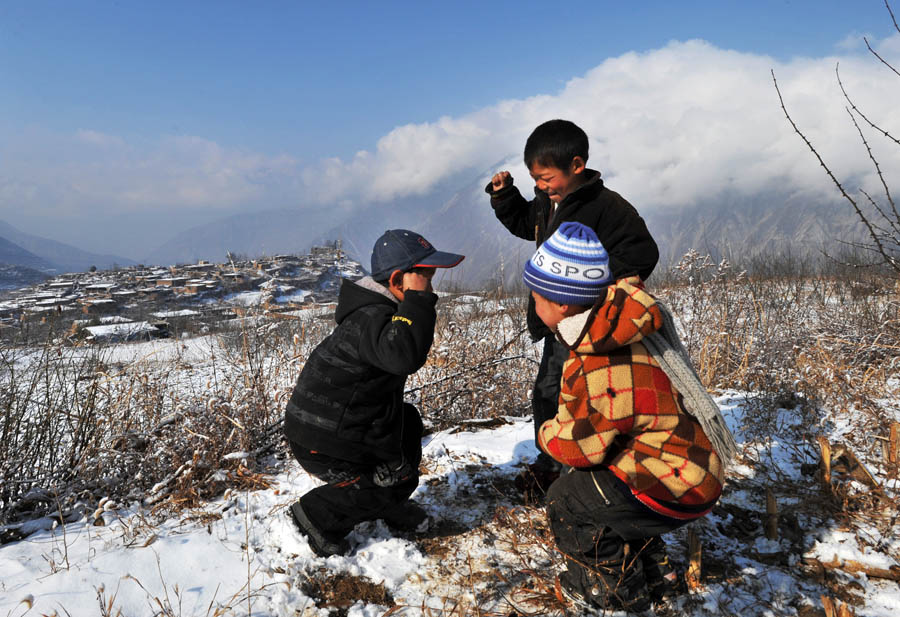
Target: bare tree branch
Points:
(887, 191)
(892, 229)
(894, 19)
(860, 113)
(873, 234)
(883, 61)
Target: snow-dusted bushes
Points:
(164, 422)
(826, 340)
(482, 363)
(172, 422)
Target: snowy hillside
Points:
(487, 546)
(174, 493)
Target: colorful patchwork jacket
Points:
(618, 409)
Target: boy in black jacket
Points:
(556, 153)
(346, 422)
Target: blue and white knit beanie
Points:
(571, 267)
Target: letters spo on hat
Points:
(571, 267)
(586, 273)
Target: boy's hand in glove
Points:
(392, 473)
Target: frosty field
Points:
(165, 461)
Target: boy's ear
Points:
(396, 278)
(577, 166)
(572, 309)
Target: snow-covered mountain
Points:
(53, 255)
(732, 225)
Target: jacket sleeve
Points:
(632, 250)
(400, 344)
(584, 428)
(514, 211)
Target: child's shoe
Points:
(321, 543)
(408, 516)
(580, 604)
(660, 574)
(605, 589)
(535, 480)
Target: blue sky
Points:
(294, 84)
(319, 79)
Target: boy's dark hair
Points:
(555, 143)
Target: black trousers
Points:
(545, 395)
(592, 518)
(350, 495)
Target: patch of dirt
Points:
(438, 541)
(849, 592)
(338, 592)
(741, 523)
(809, 611)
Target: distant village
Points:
(139, 303)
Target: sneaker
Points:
(319, 541)
(535, 480)
(572, 595)
(408, 516)
(601, 592)
(660, 574)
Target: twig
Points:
(872, 234)
(470, 369)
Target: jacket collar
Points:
(625, 315)
(367, 282)
(363, 292)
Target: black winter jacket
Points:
(631, 248)
(348, 400)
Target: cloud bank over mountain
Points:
(668, 127)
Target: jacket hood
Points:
(624, 316)
(363, 292)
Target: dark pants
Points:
(545, 395)
(351, 494)
(592, 526)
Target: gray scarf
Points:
(666, 348)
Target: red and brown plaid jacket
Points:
(618, 408)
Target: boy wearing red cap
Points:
(346, 422)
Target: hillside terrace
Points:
(185, 295)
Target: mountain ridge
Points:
(62, 257)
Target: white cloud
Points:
(668, 127)
(90, 173)
(96, 138)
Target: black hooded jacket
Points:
(621, 230)
(348, 400)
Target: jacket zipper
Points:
(600, 490)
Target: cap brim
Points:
(440, 259)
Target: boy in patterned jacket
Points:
(642, 463)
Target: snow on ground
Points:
(203, 559)
(297, 296)
(245, 298)
(486, 539)
(178, 313)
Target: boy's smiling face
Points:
(556, 182)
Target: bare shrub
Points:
(481, 365)
(79, 426)
(823, 341)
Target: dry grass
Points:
(77, 426)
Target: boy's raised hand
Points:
(418, 279)
(501, 180)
